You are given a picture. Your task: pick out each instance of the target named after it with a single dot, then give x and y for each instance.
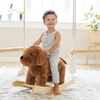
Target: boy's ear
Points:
(44, 23)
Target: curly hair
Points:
(47, 13)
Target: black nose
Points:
(21, 57)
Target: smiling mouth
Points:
(50, 24)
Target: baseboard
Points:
(83, 61)
(17, 59)
(9, 59)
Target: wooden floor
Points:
(78, 66)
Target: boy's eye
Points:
(53, 19)
(48, 19)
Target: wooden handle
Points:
(85, 51)
(11, 49)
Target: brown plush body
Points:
(39, 66)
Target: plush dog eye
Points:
(31, 54)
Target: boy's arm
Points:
(39, 40)
(56, 43)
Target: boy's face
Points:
(50, 21)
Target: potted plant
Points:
(93, 26)
(10, 12)
(21, 15)
(0, 16)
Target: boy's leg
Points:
(55, 73)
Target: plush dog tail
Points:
(63, 60)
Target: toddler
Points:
(51, 43)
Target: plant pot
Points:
(95, 37)
(0, 17)
(9, 16)
(20, 16)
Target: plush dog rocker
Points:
(39, 66)
(39, 71)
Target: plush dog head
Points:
(33, 56)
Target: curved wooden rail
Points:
(84, 51)
(42, 89)
(12, 49)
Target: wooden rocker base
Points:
(42, 89)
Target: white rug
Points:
(86, 87)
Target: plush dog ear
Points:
(40, 57)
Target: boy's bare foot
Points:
(56, 89)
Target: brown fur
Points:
(39, 66)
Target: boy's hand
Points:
(46, 53)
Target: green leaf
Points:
(85, 15)
(94, 30)
(91, 8)
(96, 26)
(88, 26)
(21, 13)
(86, 18)
(94, 21)
(96, 15)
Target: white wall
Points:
(13, 37)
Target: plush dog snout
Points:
(21, 57)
